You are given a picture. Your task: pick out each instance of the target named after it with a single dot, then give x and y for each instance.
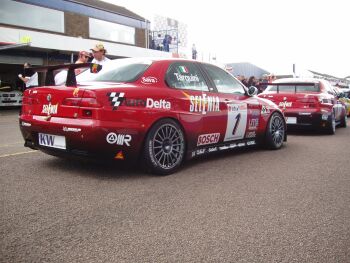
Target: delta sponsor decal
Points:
(158, 104)
(204, 103)
(49, 109)
(149, 80)
(210, 138)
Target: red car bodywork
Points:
(307, 102)
(112, 120)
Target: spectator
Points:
(166, 42)
(251, 81)
(158, 42)
(30, 78)
(99, 54)
(194, 52)
(61, 77)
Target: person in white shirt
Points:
(99, 54)
(61, 77)
(30, 77)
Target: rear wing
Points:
(71, 78)
(293, 86)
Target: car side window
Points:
(185, 75)
(224, 81)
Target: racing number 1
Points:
(237, 119)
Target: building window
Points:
(113, 32)
(25, 15)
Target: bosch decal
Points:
(210, 138)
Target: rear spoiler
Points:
(295, 84)
(71, 79)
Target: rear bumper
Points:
(83, 137)
(308, 118)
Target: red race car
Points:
(157, 111)
(307, 103)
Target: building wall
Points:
(76, 25)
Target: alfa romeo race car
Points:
(157, 111)
(307, 103)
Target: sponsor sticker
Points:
(149, 80)
(71, 129)
(116, 99)
(200, 151)
(265, 110)
(253, 124)
(49, 109)
(210, 138)
(285, 104)
(119, 139)
(185, 78)
(204, 103)
(251, 134)
(158, 104)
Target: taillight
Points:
(87, 101)
(325, 101)
(90, 103)
(29, 101)
(308, 102)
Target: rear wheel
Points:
(164, 148)
(275, 131)
(330, 128)
(344, 121)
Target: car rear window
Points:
(116, 72)
(281, 87)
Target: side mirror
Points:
(252, 91)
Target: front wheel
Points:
(275, 131)
(164, 148)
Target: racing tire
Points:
(344, 121)
(330, 127)
(164, 148)
(275, 132)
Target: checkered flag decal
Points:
(116, 99)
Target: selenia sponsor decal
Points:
(149, 80)
(50, 109)
(204, 103)
(210, 138)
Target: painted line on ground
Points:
(14, 154)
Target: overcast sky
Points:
(272, 34)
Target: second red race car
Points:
(157, 111)
(307, 103)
